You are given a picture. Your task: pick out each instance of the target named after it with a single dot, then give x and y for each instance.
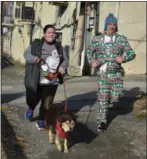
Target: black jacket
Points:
(32, 70)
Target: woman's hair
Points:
(47, 27)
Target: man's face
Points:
(111, 28)
(50, 35)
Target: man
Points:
(106, 53)
(46, 63)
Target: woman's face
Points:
(50, 35)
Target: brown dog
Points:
(60, 123)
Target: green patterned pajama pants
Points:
(110, 87)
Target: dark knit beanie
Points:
(110, 19)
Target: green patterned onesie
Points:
(110, 82)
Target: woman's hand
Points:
(61, 70)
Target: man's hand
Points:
(61, 70)
(94, 64)
(119, 59)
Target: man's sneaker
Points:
(29, 114)
(110, 105)
(40, 125)
(101, 127)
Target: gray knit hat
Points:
(110, 19)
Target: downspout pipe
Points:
(32, 25)
(96, 14)
(79, 41)
(83, 53)
(83, 39)
(117, 9)
(78, 58)
(97, 10)
(96, 7)
(2, 20)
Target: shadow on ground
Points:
(6, 98)
(81, 134)
(76, 103)
(124, 106)
(6, 61)
(9, 140)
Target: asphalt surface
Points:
(125, 137)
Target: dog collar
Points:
(62, 134)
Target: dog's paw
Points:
(51, 141)
(66, 151)
(59, 148)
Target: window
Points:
(24, 12)
(18, 10)
(62, 10)
(7, 12)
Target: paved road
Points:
(124, 138)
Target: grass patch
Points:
(139, 107)
(21, 143)
(20, 64)
(11, 137)
(4, 108)
(10, 61)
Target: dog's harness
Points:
(62, 134)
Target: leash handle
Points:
(65, 108)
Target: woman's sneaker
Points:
(40, 125)
(29, 114)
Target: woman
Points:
(46, 63)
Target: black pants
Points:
(44, 93)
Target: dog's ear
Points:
(66, 115)
(60, 113)
(61, 117)
(72, 115)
